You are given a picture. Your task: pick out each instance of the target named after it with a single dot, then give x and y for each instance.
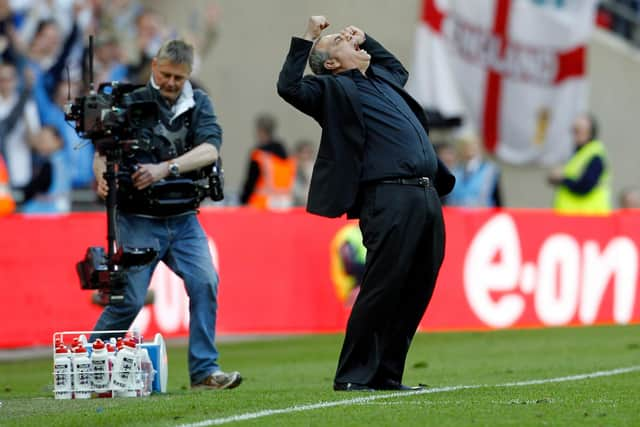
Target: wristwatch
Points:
(174, 169)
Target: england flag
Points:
(514, 69)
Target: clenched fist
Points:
(315, 25)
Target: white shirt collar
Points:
(184, 102)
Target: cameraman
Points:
(186, 138)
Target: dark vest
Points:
(165, 141)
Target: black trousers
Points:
(403, 231)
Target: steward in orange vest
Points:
(271, 172)
(7, 204)
(274, 188)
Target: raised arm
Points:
(304, 93)
(382, 57)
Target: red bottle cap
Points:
(62, 349)
(79, 349)
(98, 344)
(111, 348)
(130, 343)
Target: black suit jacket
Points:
(333, 101)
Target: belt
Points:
(423, 181)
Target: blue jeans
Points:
(182, 245)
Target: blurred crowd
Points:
(45, 165)
(43, 56)
(621, 17)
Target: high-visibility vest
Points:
(274, 188)
(7, 204)
(595, 202)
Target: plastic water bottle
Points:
(145, 373)
(81, 373)
(100, 367)
(111, 362)
(123, 376)
(111, 352)
(62, 387)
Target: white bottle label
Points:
(124, 368)
(82, 378)
(62, 378)
(100, 378)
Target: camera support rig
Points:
(111, 120)
(107, 273)
(107, 120)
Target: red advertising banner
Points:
(503, 269)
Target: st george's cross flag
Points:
(515, 70)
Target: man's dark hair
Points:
(267, 123)
(42, 24)
(317, 59)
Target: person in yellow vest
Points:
(583, 186)
(271, 172)
(7, 204)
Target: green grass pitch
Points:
(288, 382)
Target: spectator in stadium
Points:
(49, 191)
(447, 153)
(117, 17)
(7, 204)
(177, 149)
(623, 24)
(79, 151)
(45, 44)
(477, 178)
(108, 65)
(149, 36)
(7, 32)
(304, 154)
(270, 173)
(19, 124)
(151, 31)
(45, 60)
(583, 185)
(630, 198)
(375, 162)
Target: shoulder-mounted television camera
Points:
(109, 116)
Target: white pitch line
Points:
(365, 399)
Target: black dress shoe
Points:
(395, 385)
(351, 387)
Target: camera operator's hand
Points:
(99, 168)
(148, 173)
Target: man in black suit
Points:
(375, 162)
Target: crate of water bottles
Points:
(118, 364)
